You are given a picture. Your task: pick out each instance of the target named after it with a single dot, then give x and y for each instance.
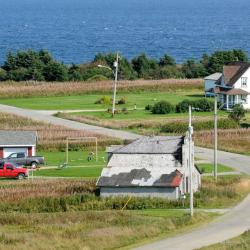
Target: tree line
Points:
(41, 66)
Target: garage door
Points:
(9, 151)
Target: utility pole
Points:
(190, 162)
(116, 63)
(215, 138)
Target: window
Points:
(1, 165)
(14, 155)
(8, 166)
(244, 99)
(20, 155)
(243, 81)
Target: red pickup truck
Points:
(11, 170)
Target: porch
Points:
(229, 101)
(231, 97)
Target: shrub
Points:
(162, 107)
(148, 107)
(181, 127)
(237, 113)
(122, 101)
(182, 106)
(203, 105)
(104, 100)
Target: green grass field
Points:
(208, 168)
(76, 158)
(134, 115)
(88, 172)
(141, 99)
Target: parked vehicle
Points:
(12, 170)
(23, 160)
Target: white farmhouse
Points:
(233, 87)
(150, 166)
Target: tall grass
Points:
(91, 230)
(233, 140)
(71, 195)
(51, 137)
(34, 89)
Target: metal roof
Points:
(18, 138)
(153, 145)
(214, 77)
(140, 178)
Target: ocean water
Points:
(76, 30)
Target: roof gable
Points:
(214, 77)
(233, 71)
(18, 138)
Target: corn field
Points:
(33, 89)
(234, 140)
(50, 137)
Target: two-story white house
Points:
(232, 86)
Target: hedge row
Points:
(164, 107)
(181, 127)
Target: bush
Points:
(237, 113)
(162, 107)
(181, 127)
(182, 107)
(148, 107)
(203, 105)
(122, 101)
(104, 100)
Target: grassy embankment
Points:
(67, 214)
(238, 243)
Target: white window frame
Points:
(244, 82)
(244, 99)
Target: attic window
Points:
(243, 81)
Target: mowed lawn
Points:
(209, 168)
(135, 115)
(87, 101)
(76, 158)
(85, 172)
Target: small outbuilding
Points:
(17, 142)
(154, 166)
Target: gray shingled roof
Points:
(214, 77)
(153, 145)
(141, 178)
(21, 138)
